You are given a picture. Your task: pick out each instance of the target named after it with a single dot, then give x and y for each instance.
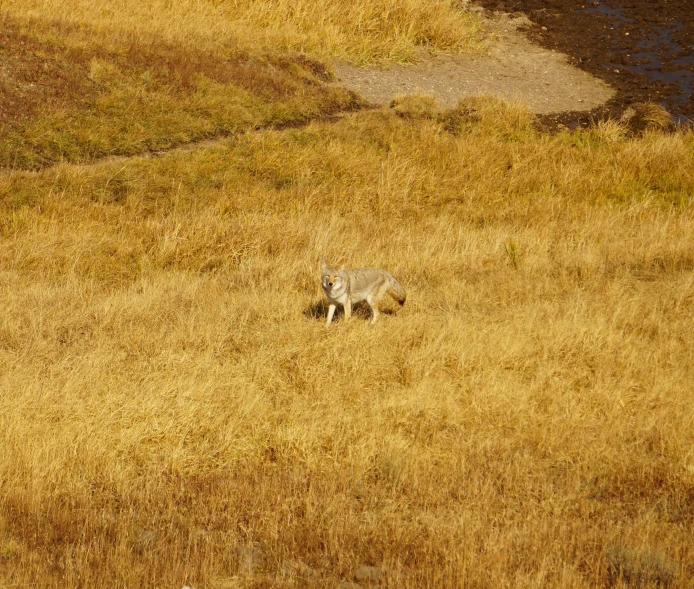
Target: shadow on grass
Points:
(319, 310)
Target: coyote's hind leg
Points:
(348, 309)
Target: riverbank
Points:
(644, 50)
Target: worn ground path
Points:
(513, 68)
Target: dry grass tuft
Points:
(640, 568)
(415, 106)
(489, 113)
(647, 117)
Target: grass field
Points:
(174, 410)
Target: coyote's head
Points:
(333, 279)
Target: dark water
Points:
(657, 54)
(605, 10)
(644, 49)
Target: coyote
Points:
(361, 284)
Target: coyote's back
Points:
(363, 279)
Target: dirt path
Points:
(514, 69)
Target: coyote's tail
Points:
(396, 290)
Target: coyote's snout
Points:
(347, 287)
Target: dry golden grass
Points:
(361, 30)
(170, 395)
(173, 408)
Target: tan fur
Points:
(347, 287)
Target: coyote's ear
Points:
(323, 265)
(342, 268)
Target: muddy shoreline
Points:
(643, 49)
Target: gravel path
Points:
(514, 68)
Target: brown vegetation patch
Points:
(67, 98)
(269, 77)
(37, 74)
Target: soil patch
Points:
(514, 68)
(643, 49)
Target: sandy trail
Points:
(514, 68)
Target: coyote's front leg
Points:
(331, 312)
